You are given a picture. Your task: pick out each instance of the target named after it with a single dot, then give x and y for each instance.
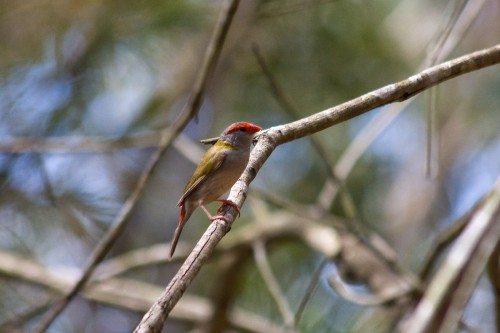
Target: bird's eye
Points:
(243, 129)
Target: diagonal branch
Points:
(275, 136)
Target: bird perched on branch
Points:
(219, 169)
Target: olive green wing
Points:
(211, 161)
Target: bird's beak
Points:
(209, 141)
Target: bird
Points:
(218, 170)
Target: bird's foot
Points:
(220, 217)
(228, 202)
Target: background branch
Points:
(125, 293)
(273, 287)
(442, 305)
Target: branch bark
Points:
(275, 136)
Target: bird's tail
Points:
(177, 233)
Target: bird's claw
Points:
(220, 217)
(228, 202)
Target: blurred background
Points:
(87, 86)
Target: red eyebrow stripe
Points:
(251, 128)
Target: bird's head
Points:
(239, 134)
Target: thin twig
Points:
(364, 299)
(434, 51)
(355, 150)
(445, 238)
(142, 257)
(309, 291)
(260, 257)
(432, 95)
(35, 308)
(287, 106)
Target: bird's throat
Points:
(225, 145)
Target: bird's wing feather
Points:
(212, 160)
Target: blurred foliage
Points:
(105, 70)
